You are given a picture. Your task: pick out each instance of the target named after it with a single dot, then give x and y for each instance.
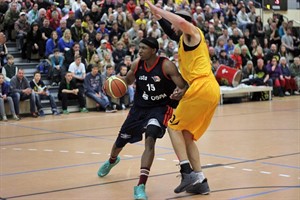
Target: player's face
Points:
(145, 52)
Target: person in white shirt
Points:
(77, 68)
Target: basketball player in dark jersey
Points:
(156, 80)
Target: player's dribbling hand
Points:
(177, 93)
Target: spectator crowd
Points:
(87, 41)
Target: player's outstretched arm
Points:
(180, 23)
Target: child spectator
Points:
(41, 92)
(9, 70)
(57, 61)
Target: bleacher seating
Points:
(29, 69)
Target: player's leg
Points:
(113, 160)
(188, 177)
(128, 133)
(153, 131)
(201, 186)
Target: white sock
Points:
(201, 176)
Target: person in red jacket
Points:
(236, 58)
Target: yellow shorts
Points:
(197, 107)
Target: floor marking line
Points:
(264, 172)
(248, 170)
(285, 175)
(48, 150)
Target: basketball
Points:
(115, 87)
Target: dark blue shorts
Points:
(137, 120)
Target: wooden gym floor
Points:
(250, 151)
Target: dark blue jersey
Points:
(153, 86)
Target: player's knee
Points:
(153, 131)
(121, 142)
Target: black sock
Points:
(185, 168)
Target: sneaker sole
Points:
(199, 188)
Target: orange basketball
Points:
(115, 87)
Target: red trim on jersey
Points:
(152, 67)
(168, 115)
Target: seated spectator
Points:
(51, 44)
(68, 90)
(41, 93)
(94, 61)
(78, 71)
(62, 27)
(258, 54)
(272, 53)
(248, 73)
(65, 43)
(4, 90)
(290, 86)
(77, 30)
(34, 42)
(57, 61)
(71, 19)
(262, 76)
(33, 13)
(3, 50)
(109, 71)
(22, 27)
(9, 70)
(295, 70)
(55, 20)
(236, 58)
(88, 52)
(107, 60)
(93, 89)
(212, 54)
(118, 54)
(70, 56)
(10, 17)
(276, 75)
(229, 47)
(288, 42)
(244, 55)
(126, 62)
(243, 20)
(220, 46)
(20, 91)
(224, 59)
(83, 43)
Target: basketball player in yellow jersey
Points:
(195, 110)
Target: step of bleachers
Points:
(29, 69)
